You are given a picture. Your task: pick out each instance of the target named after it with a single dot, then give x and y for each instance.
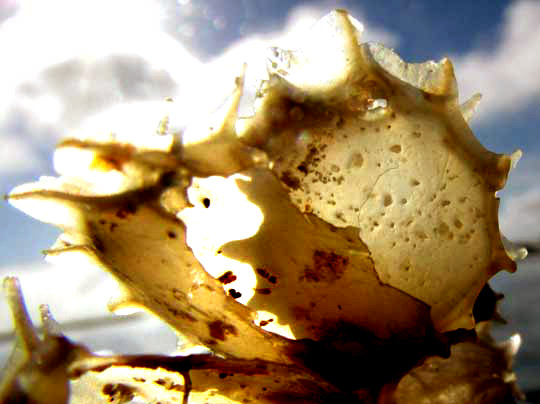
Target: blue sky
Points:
(70, 65)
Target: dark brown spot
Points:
(206, 202)
(263, 272)
(113, 226)
(168, 179)
(266, 275)
(310, 160)
(98, 243)
(222, 375)
(263, 291)
(265, 322)
(219, 330)
(171, 234)
(302, 168)
(291, 181)
(128, 209)
(227, 278)
(234, 294)
(102, 221)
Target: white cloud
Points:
(65, 60)
(17, 155)
(78, 64)
(508, 76)
(520, 201)
(520, 218)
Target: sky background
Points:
(69, 65)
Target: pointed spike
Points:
(447, 84)
(350, 36)
(498, 318)
(23, 324)
(49, 206)
(50, 325)
(515, 157)
(514, 251)
(468, 108)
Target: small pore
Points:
(420, 234)
(443, 228)
(387, 200)
(395, 148)
(458, 223)
(415, 182)
(356, 160)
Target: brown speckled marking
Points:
(118, 392)
(219, 330)
(310, 160)
(327, 267)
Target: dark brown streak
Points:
(179, 364)
(187, 386)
